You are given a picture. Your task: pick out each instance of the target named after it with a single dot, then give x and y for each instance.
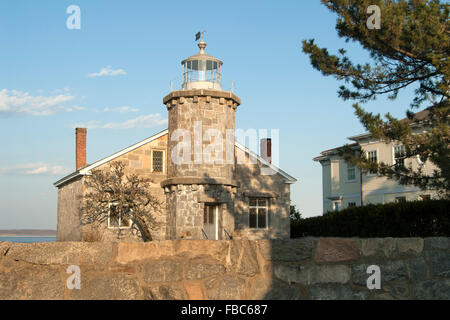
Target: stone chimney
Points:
(266, 149)
(80, 145)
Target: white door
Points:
(210, 221)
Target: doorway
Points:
(211, 221)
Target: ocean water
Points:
(28, 239)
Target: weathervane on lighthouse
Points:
(200, 35)
(202, 71)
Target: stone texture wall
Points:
(189, 198)
(69, 223)
(309, 268)
(214, 110)
(272, 187)
(208, 175)
(186, 203)
(139, 162)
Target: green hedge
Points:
(408, 219)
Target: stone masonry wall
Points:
(185, 207)
(274, 188)
(69, 226)
(309, 268)
(213, 112)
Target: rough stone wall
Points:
(68, 225)
(213, 113)
(309, 268)
(185, 207)
(190, 200)
(255, 184)
(139, 161)
(213, 173)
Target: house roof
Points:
(326, 153)
(288, 177)
(419, 116)
(86, 170)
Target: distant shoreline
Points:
(27, 233)
(24, 236)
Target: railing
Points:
(204, 234)
(229, 236)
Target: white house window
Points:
(157, 161)
(351, 204)
(372, 156)
(259, 213)
(351, 172)
(336, 205)
(400, 199)
(399, 156)
(116, 219)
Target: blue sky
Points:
(47, 86)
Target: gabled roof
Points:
(326, 153)
(418, 117)
(86, 170)
(288, 177)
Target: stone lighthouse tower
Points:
(201, 186)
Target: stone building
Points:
(212, 187)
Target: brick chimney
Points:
(80, 145)
(266, 149)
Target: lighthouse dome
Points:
(202, 71)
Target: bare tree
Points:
(123, 198)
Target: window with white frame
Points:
(157, 161)
(400, 199)
(351, 172)
(117, 219)
(425, 197)
(336, 205)
(399, 156)
(372, 156)
(258, 213)
(352, 204)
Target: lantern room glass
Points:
(198, 70)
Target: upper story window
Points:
(336, 205)
(351, 172)
(117, 219)
(372, 156)
(351, 204)
(259, 213)
(399, 156)
(400, 199)
(157, 161)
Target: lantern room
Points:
(202, 71)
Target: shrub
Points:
(407, 219)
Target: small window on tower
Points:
(157, 161)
